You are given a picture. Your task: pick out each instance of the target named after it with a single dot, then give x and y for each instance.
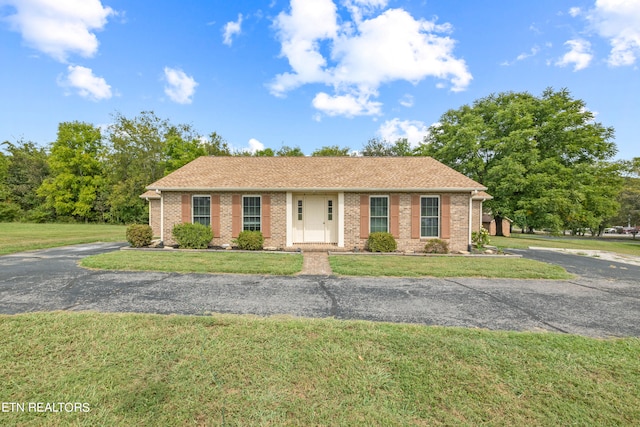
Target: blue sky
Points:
(309, 73)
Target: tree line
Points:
(545, 160)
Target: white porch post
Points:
(289, 211)
(161, 217)
(471, 217)
(341, 220)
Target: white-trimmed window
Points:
(251, 213)
(429, 216)
(378, 214)
(201, 210)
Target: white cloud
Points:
(360, 8)
(579, 54)
(575, 11)
(86, 84)
(413, 130)
(231, 29)
(59, 28)
(255, 145)
(619, 22)
(406, 100)
(355, 57)
(348, 105)
(180, 87)
(533, 52)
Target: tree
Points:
(217, 146)
(266, 152)
(26, 169)
(544, 159)
(179, 151)
(629, 199)
(76, 179)
(136, 158)
(286, 151)
(376, 147)
(4, 167)
(331, 151)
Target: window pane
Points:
(251, 213)
(378, 224)
(429, 227)
(379, 214)
(201, 206)
(429, 216)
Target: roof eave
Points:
(324, 189)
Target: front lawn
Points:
(524, 241)
(197, 262)
(444, 266)
(151, 370)
(18, 237)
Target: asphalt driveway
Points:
(588, 305)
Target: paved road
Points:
(584, 265)
(51, 280)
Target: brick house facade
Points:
(337, 202)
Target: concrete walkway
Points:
(316, 264)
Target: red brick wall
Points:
(458, 221)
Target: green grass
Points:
(523, 241)
(197, 262)
(444, 266)
(18, 237)
(150, 370)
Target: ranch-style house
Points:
(320, 201)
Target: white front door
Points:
(314, 219)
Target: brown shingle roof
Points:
(482, 195)
(315, 173)
(150, 194)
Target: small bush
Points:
(192, 236)
(480, 238)
(250, 240)
(436, 246)
(139, 235)
(381, 242)
(9, 212)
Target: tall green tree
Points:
(630, 196)
(544, 159)
(286, 151)
(77, 176)
(217, 146)
(182, 147)
(377, 147)
(331, 151)
(4, 167)
(137, 157)
(26, 169)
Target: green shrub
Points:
(139, 235)
(381, 242)
(9, 212)
(480, 238)
(40, 215)
(436, 246)
(250, 240)
(192, 236)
